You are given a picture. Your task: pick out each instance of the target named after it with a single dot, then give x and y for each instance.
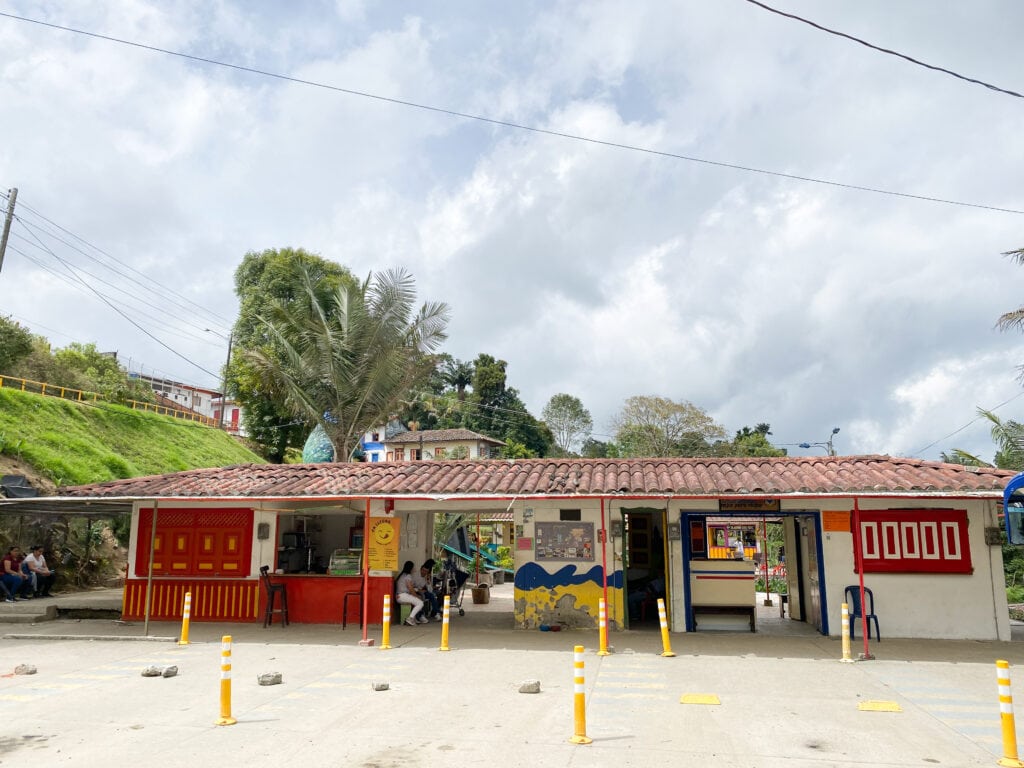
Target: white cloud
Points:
(592, 270)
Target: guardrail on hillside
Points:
(82, 396)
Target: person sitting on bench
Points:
(406, 592)
(41, 576)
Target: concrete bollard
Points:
(602, 628)
(579, 696)
(186, 615)
(1009, 757)
(225, 683)
(444, 624)
(847, 653)
(663, 619)
(385, 639)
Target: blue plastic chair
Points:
(853, 603)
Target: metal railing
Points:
(83, 396)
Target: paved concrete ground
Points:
(784, 700)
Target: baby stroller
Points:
(452, 583)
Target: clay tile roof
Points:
(712, 477)
(441, 436)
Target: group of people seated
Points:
(25, 577)
(417, 590)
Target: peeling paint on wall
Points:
(568, 597)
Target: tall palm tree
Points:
(1008, 435)
(1014, 319)
(345, 359)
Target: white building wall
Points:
(933, 605)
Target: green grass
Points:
(75, 443)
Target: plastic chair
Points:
(273, 591)
(853, 603)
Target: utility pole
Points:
(12, 197)
(224, 392)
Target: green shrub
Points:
(1014, 595)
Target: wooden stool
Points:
(344, 607)
(273, 590)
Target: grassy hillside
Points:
(73, 443)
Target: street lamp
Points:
(826, 445)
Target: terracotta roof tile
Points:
(440, 436)
(841, 475)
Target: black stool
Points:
(272, 591)
(344, 607)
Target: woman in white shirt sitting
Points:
(406, 592)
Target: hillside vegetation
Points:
(71, 443)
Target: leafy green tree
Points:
(265, 279)
(345, 358)
(496, 409)
(459, 375)
(753, 442)
(596, 449)
(15, 344)
(568, 421)
(1015, 318)
(1009, 439)
(657, 426)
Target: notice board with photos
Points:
(564, 541)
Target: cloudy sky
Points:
(601, 271)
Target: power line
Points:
(965, 426)
(163, 288)
(506, 123)
(130, 320)
(886, 50)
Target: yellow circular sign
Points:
(383, 532)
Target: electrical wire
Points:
(886, 50)
(187, 305)
(507, 123)
(965, 426)
(163, 288)
(130, 320)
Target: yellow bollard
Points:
(186, 614)
(225, 683)
(602, 627)
(663, 618)
(385, 640)
(579, 699)
(847, 653)
(1006, 716)
(444, 624)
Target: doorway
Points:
(786, 546)
(644, 557)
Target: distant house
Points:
(206, 402)
(395, 443)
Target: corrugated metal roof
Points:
(712, 477)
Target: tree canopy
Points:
(345, 358)
(263, 280)
(568, 420)
(657, 426)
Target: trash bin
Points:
(481, 594)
